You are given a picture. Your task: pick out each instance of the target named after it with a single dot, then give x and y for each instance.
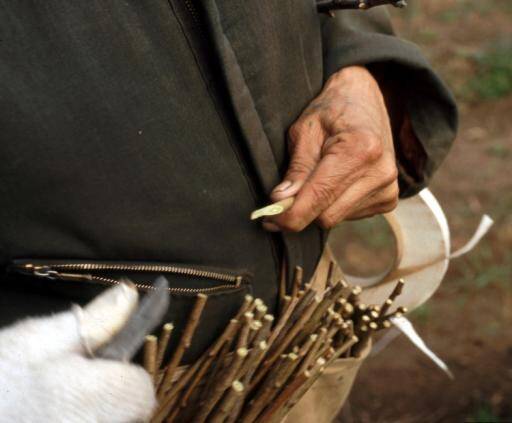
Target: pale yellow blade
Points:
(273, 209)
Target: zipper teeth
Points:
(148, 268)
(147, 287)
(231, 282)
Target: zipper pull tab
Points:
(238, 282)
(49, 273)
(45, 272)
(31, 269)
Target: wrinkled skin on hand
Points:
(342, 159)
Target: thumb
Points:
(305, 146)
(36, 339)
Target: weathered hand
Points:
(342, 157)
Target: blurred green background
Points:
(468, 321)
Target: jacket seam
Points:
(241, 164)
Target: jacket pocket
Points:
(80, 281)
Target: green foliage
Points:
(449, 15)
(483, 268)
(422, 313)
(484, 414)
(428, 35)
(500, 273)
(493, 78)
(499, 151)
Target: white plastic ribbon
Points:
(403, 325)
(406, 327)
(485, 224)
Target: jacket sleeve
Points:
(423, 111)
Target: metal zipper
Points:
(60, 271)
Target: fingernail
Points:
(283, 186)
(271, 227)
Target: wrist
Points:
(351, 75)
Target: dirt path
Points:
(468, 322)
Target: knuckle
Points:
(371, 149)
(327, 221)
(390, 173)
(388, 206)
(296, 131)
(395, 192)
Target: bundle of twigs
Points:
(261, 366)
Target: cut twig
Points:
(353, 297)
(305, 348)
(330, 272)
(324, 349)
(297, 281)
(290, 336)
(348, 311)
(258, 302)
(217, 365)
(150, 347)
(385, 307)
(248, 300)
(243, 335)
(338, 305)
(163, 342)
(246, 373)
(255, 328)
(274, 412)
(317, 370)
(260, 311)
(208, 358)
(282, 321)
(253, 361)
(184, 343)
(224, 380)
(282, 282)
(264, 331)
(385, 324)
(171, 398)
(315, 319)
(263, 395)
(310, 356)
(301, 305)
(228, 402)
(283, 305)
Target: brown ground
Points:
(468, 320)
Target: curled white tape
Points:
(422, 256)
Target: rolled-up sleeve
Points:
(367, 39)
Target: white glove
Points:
(46, 376)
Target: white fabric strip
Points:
(485, 224)
(406, 327)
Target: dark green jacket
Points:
(146, 131)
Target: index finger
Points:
(327, 182)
